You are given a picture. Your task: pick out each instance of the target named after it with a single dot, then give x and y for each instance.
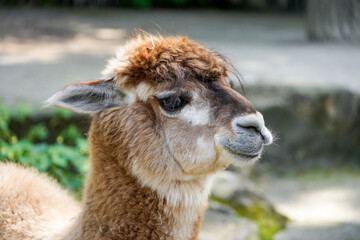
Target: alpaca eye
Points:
(172, 104)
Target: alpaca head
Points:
(167, 111)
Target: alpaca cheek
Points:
(203, 156)
(197, 155)
(195, 115)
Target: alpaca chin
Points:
(241, 160)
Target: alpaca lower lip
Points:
(241, 154)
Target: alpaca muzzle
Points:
(248, 138)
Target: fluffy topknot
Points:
(153, 59)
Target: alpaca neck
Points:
(116, 206)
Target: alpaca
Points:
(164, 119)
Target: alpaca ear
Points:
(88, 97)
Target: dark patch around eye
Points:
(219, 94)
(221, 101)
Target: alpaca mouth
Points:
(236, 154)
(241, 151)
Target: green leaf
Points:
(70, 134)
(62, 113)
(37, 132)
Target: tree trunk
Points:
(337, 20)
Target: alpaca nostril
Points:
(254, 124)
(248, 127)
(252, 129)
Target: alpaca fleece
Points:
(164, 119)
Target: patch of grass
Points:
(269, 221)
(53, 144)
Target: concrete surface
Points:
(320, 208)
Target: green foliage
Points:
(269, 221)
(141, 3)
(37, 132)
(4, 120)
(54, 145)
(71, 135)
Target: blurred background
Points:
(300, 62)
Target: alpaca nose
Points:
(253, 123)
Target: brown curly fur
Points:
(157, 59)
